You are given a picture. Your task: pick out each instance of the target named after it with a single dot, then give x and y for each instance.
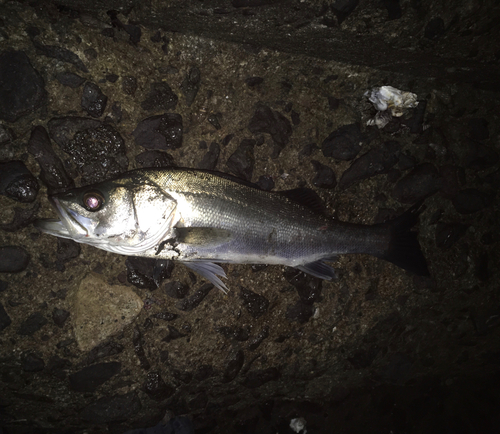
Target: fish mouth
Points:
(70, 225)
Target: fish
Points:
(204, 218)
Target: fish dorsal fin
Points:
(305, 197)
(202, 236)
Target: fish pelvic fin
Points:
(209, 271)
(403, 248)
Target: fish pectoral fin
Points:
(202, 237)
(318, 269)
(209, 271)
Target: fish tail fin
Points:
(404, 249)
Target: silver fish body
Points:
(201, 218)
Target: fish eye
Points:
(93, 200)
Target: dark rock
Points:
(61, 54)
(22, 218)
(374, 162)
(343, 143)
(393, 9)
(17, 182)
(5, 320)
(99, 153)
(173, 334)
(104, 350)
(112, 78)
(471, 200)
(308, 287)
(449, 180)
(213, 119)
(53, 173)
(398, 369)
(192, 302)
(416, 121)
(308, 150)
(13, 259)
(155, 159)
(32, 324)
(325, 176)
(21, 87)
(242, 161)
(259, 338)
(482, 269)
(175, 289)
(159, 132)
(299, 312)
(256, 304)
(57, 366)
(272, 122)
(63, 130)
(112, 409)
(140, 272)
(295, 118)
(67, 250)
(166, 316)
(266, 182)
(253, 81)
(434, 29)
(33, 363)
(234, 363)
(156, 388)
(237, 333)
(447, 234)
(199, 402)
(333, 103)
(259, 377)
(203, 372)
(4, 285)
(160, 97)
(210, 159)
(478, 129)
(480, 157)
(343, 8)
(191, 85)
(129, 85)
(90, 378)
(70, 79)
(93, 100)
(423, 181)
(363, 359)
(59, 316)
(139, 349)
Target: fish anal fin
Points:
(318, 269)
(305, 197)
(209, 271)
(201, 236)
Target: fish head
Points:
(123, 216)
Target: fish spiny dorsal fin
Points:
(305, 197)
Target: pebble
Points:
(67, 250)
(190, 85)
(374, 162)
(160, 132)
(308, 287)
(237, 333)
(93, 100)
(59, 316)
(173, 334)
(233, 364)
(53, 173)
(266, 120)
(434, 29)
(139, 349)
(104, 350)
(188, 304)
(5, 320)
(33, 363)
(343, 8)
(299, 312)
(22, 217)
(175, 289)
(211, 158)
(325, 176)
(32, 324)
(70, 79)
(256, 304)
(160, 98)
(112, 408)
(156, 388)
(13, 259)
(343, 143)
(259, 338)
(17, 182)
(63, 129)
(166, 316)
(471, 200)
(91, 377)
(265, 182)
(258, 377)
(155, 158)
(253, 81)
(423, 181)
(129, 85)
(61, 54)
(22, 88)
(241, 162)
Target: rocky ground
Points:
(94, 342)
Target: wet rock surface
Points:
(17, 182)
(280, 345)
